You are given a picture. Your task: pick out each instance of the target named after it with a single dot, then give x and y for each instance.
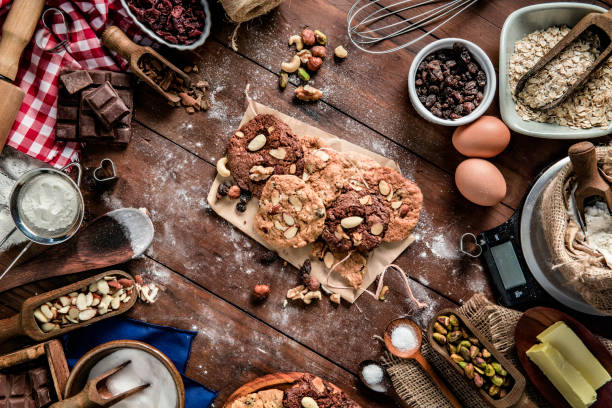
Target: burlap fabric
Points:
(244, 10)
(585, 270)
(497, 323)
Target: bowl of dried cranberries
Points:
(178, 24)
(451, 82)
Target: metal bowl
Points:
(150, 33)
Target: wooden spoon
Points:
(116, 40)
(385, 385)
(601, 24)
(24, 323)
(96, 393)
(116, 237)
(590, 183)
(533, 322)
(415, 354)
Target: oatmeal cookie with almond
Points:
(263, 147)
(327, 172)
(290, 213)
(355, 220)
(401, 196)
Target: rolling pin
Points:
(17, 32)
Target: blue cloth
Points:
(174, 343)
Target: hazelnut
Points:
(314, 63)
(308, 37)
(233, 192)
(318, 51)
(312, 283)
(261, 291)
(403, 211)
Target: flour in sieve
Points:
(49, 202)
(599, 229)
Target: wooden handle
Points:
(17, 32)
(437, 380)
(10, 327)
(584, 160)
(81, 400)
(525, 402)
(116, 40)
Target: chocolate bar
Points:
(76, 81)
(76, 121)
(106, 104)
(26, 389)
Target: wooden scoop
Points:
(415, 354)
(116, 40)
(588, 179)
(24, 323)
(384, 387)
(601, 25)
(116, 237)
(96, 393)
(17, 32)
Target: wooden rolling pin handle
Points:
(10, 328)
(17, 32)
(81, 400)
(584, 160)
(437, 380)
(116, 40)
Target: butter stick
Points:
(570, 383)
(573, 349)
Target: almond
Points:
(291, 232)
(328, 260)
(93, 287)
(257, 142)
(365, 200)
(239, 134)
(89, 299)
(115, 303)
(292, 169)
(279, 226)
(102, 309)
(296, 203)
(377, 229)
(322, 155)
(81, 302)
(64, 300)
(288, 219)
(46, 310)
(275, 197)
(40, 316)
(126, 283)
(396, 204)
(279, 153)
(384, 188)
(351, 222)
(73, 314)
(49, 327)
(87, 314)
(103, 287)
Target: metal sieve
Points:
(39, 235)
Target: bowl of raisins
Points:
(178, 24)
(451, 82)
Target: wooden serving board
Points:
(280, 381)
(532, 323)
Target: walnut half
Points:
(308, 93)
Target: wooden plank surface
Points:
(207, 268)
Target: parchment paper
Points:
(377, 260)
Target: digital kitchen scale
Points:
(517, 257)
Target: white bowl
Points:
(150, 33)
(485, 64)
(517, 25)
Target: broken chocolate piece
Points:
(106, 104)
(76, 81)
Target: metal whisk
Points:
(371, 22)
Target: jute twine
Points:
(495, 322)
(583, 269)
(240, 11)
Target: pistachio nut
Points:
(478, 380)
(453, 336)
(444, 321)
(465, 353)
(441, 339)
(439, 328)
(502, 393)
(468, 370)
(479, 362)
(478, 370)
(485, 353)
(474, 341)
(473, 352)
(489, 370)
(465, 343)
(494, 390)
(497, 380)
(499, 369)
(454, 321)
(452, 349)
(320, 37)
(464, 333)
(283, 80)
(456, 358)
(303, 74)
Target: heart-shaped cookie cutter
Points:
(102, 168)
(464, 242)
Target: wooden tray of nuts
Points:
(454, 337)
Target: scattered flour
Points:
(599, 229)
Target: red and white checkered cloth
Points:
(34, 130)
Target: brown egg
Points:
(486, 137)
(480, 182)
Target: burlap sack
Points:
(495, 322)
(584, 270)
(240, 11)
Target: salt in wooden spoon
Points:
(116, 237)
(24, 323)
(415, 354)
(96, 393)
(385, 387)
(601, 25)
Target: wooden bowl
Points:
(78, 375)
(517, 391)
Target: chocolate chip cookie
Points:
(290, 213)
(263, 147)
(401, 196)
(356, 220)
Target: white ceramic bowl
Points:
(485, 64)
(150, 33)
(519, 24)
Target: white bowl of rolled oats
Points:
(527, 35)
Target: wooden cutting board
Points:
(532, 323)
(280, 381)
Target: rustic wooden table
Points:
(207, 268)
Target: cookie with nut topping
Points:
(290, 213)
(356, 220)
(263, 147)
(401, 196)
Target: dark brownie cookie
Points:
(356, 220)
(264, 146)
(322, 392)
